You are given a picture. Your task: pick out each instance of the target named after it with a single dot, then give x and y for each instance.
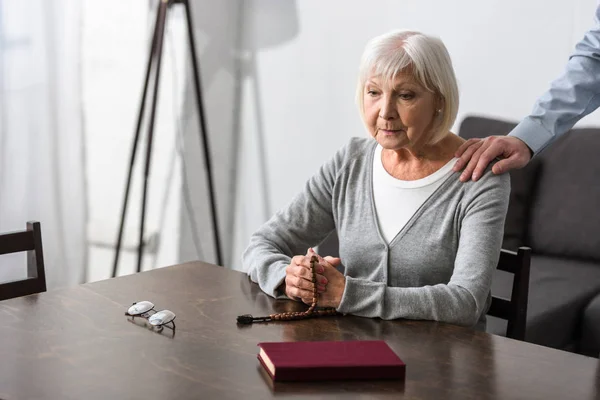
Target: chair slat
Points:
(27, 286)
(16, 242)
(508, 261)
(29, 240)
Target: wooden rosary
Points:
(290, 316)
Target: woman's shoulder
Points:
(488, 185)
(356, 148)
(361, 144)
(493, 179)
(355, 153)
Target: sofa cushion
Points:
(559, 290)
(522, 181)
(565, 215)
(590, 329)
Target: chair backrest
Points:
(514, 310)
(30, 241)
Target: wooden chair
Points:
(30, 241)
(514, 310)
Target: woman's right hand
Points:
(298, 279)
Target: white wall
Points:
(505, 54)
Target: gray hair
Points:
(425, 57)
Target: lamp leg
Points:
(136, 139)
(156, 54)
(262, 146)
(203, 132)
(160, 33)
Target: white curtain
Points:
(42, 175)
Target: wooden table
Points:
(78, 344)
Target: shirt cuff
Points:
(533, 134)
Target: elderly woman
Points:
(416, 243)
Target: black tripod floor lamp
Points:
(155, 57)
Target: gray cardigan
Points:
(438, 267)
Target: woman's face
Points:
(399, 113)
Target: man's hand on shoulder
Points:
(476, 154)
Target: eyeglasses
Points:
(157, 319)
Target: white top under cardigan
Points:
(396, 200)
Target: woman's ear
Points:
(439, 105)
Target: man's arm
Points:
(572, 96)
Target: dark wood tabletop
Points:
(77, 344)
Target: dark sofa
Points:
(555, 209)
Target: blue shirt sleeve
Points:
(572, 96)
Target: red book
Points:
(331, 360)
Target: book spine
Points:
(339, 373)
